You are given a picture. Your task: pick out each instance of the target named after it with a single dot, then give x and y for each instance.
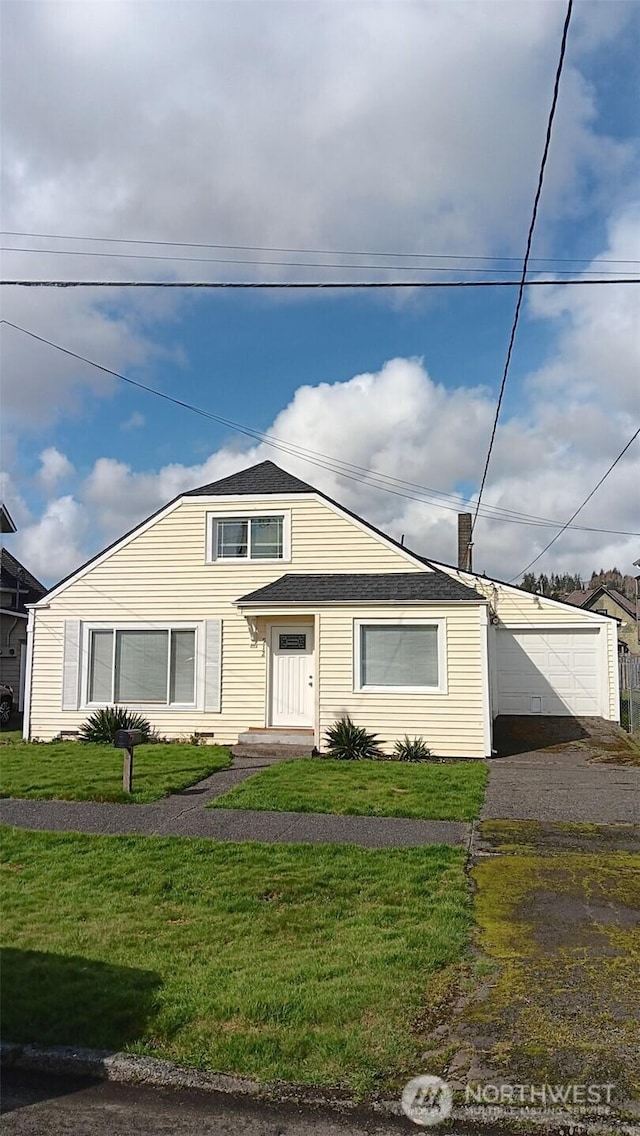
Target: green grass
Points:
(447, 791)
(315, 964)
(75, 771)
(10, 737)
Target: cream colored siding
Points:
(162, 575)
(451, 723)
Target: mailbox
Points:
(127, 739)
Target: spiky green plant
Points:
(348, 742)
(411, 749)
(101, 726)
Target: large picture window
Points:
(249, 538)
(142, 666)
(399, 656)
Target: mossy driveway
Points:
(558, 914)
(582, 770)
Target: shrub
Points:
(102, 725)
(348, 742)
(411, 749)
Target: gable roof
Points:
(12, 574)
(353, 587)
(585, 599)
(266, 477)
(7, 524)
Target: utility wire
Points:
(579, 509)
(313, 251)
(293, 263)
(333, 465)
(525, 262)
(310, 284)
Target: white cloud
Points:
(53, 546)
(400, 423)
(54, 467)
(135, 421)
(354, 125)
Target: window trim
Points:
(161, 707)
(255, 515)
(438, 622)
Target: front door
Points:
(292, 675)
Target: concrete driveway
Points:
(563, 769)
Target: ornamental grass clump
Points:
(102, 725)
(411, 749)
(347, 742)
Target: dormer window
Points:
(264, 537)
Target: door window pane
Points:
(266, 538)
(101, 666)
(141, 666)
(232, 538)
(183, 666)
(393, 655)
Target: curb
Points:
(132, 1070)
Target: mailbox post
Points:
(126, 740)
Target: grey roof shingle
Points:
(353, 587)
(13, 572)
(267, 477)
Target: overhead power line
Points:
(311, 284)
(291, 263)
(579, 509)
(525, 262)
(334, 465)
(314, 251)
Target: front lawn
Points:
(316, 964)
(447, 791)
(75, 771)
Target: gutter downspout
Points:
(26, 727)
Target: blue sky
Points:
(385, 127)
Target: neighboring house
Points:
(258, 602)
(609, 601)
(17, 588)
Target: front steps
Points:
(276, 741)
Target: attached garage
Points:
(551, 670)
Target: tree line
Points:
(559, 585)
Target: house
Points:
(17, 588)
(609, 601)
(257, 603)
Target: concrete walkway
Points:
(185, 814)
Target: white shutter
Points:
(71, 665)
(212, 665)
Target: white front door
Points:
(292, 675)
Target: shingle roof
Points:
(12, 572)
(267, 477)
(584, 599)
(352, 587)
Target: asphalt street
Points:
(43, 1105)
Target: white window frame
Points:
(212, 536)
(405, 621)
(160, 707)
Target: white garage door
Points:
(550, 672)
